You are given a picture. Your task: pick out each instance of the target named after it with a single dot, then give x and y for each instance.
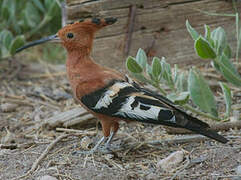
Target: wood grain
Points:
(158, 21)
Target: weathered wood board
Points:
(159, 27)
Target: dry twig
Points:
(179, 172)
(78, 132)
(42, 156)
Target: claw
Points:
(106, 149)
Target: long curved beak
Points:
(53, 38)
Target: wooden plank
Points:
(74, 117)
(160, 21)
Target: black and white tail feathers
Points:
(187, 121)
(127, 100)
(199, 127)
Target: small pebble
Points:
(236, 178)
(60, 95)
(4, 151)
(109, 156)
(85, 142)
(7, 107)
(235, 117)
(8, 138)
(171, 161)
(151, 176)
(47, 177)
(238, 170)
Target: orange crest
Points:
(80, 34)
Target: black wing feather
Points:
(133, 102)
(185, 120)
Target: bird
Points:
(111, 96)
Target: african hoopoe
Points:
(108, 95)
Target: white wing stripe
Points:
(127, 110)
(108, 96)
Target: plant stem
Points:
(234, 76)
(201, 113)
(237, 36)
(157, 85)
(215, 14)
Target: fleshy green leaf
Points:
(141, 58)
(5, 13)
(181, 98)
(33, 20)
(149, 71)
(227, 97)
(192, 31)
(156, 68)
(140, 77)
(200, 93)
(6, 38)
(227, 51)
(229, 71)
(175, 73)
(208, 35)
(219, 38)
(48, 3)
(4, 9)
(4, 52)
(12, 9)
(16, 43)
(132, 65)
(207, 32)
(52, 9)
(39, 5)
(204, 49)
(216, 66)
(181, 83)
(167, 73)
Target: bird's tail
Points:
(194, 124)
(182, 119)
(213, 135)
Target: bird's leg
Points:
(97, 145)
(107, 144)
(94, 148)
(115, 127)
(109, 130)
(103, 139)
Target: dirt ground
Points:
(34, 92)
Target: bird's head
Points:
(75, 36)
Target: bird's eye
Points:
(70, 35)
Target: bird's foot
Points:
(101, 149)
(107, 148)
(97, 147)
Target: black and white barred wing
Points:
(123, 100)
(127, 100)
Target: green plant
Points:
(214, 46)
(9, 44)
(237, 25)
(53, 53)
(24, 19)
(182, 87)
